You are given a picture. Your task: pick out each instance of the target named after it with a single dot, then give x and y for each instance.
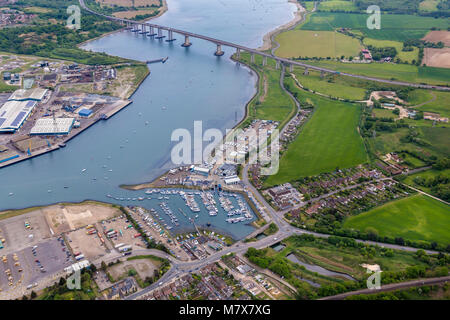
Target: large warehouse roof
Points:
(49, 126)
(14, 113)
(36, 94)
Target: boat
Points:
(11, 194)
(83, 170)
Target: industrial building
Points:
(13, 114)
(50, 126)
(85, 112)
(36, 94)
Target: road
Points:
(391, 287)
(268, 55)
(285, 230)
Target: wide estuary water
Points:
(192, 85)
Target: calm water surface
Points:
(192, 85)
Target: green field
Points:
(332, 85)
(429, 5)
(402, 55)
(303, 43)
(393, 26)
(336, 5)
(271, 102)
(384, 113)
(435, 101)
(328, 140)
(428, 174)
(402, 72)
(415, 218)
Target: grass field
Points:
(435, 101)
(428, 174)
(328, 140)
(336, 5)
(403, 55)
(271, 102)
(332, 85)
(303, 43)
(429, 5)
(414, 218)
(384, 113)
(402, 72)
(393, 26)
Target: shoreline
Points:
(298, 16)
(164, 9)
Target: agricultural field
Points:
(319, 44)
(434, 140)
(408, 56)
(384, 113)
(337, 5)
(331, 85)
(393, 26)
(271, 102)
(436, 36)
(429, 5)
(402, 72)
(328, 140)
(439, 58)
(427, 175)
(414, 218)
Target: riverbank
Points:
(163, 10)
(298, 16)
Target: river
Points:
(192, 85)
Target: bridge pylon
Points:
(160, 35)
(306, 72)
(219, 51)
(264, 61)
(186, 43)
(277, 64)
(171, 38)
(252, 58)
(238, 53)
(151, 32)
(291, 67)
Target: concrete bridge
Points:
(148, 29)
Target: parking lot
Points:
(125, 232)
(32, 264)
(89, 245)
(18, 236)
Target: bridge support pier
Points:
(219, 51)
(291, 67)
(160, 35)
(264, 61)
(306, 72)
(151, 32)
(143, 29)
(322, 74)
(252, 58)
(186, 43)
(238, 53)
(277, 64)
(134, 28)
(171, 38)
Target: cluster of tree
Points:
(391, 6)
(61, 291)
(406, 294)
(439, 185)
(49, 36)
(380, 53)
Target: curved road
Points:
(254, 51)
(285, 230)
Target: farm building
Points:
(14, 113)
(51, 126)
